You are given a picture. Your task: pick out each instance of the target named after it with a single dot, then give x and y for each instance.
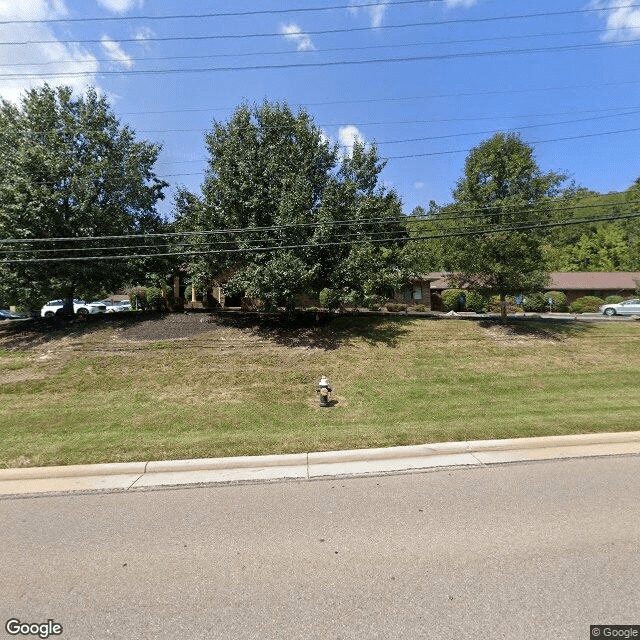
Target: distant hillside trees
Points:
(68, 168)
(596, 246)
(300, 216)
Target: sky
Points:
(426, 80)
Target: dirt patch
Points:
(169, 327)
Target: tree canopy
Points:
(300, 217)
(68, 168)
(502, 189)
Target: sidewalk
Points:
(133, 475)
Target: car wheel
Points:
(49, 314)
(83, 312)
(610, 312)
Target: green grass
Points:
(238, 392)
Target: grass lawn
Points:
(85, 396)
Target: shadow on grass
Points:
(320, 331)
(28, 334)
(302, 329)
(556, 329)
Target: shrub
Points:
(154, 298)
(535, 302)
(138, 298)
(419, 307)
(613, 299)
(451, 299)
(512, 307)
(559, 300)
(475, 301)
(396, 307)
(187, 292)
(586, 304)
(330, 298)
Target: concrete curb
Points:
(127, 475)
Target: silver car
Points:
(626, 308)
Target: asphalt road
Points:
(529, 550)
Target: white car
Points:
(109, 307)
(626, 308)
(80, 307)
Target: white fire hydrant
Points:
(324, 388)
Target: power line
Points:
(452, 151)
(216, 14)
(627, 110)
(343, 30)
(434, 96)
(308, 65)
(490, 230)
(465, 213)
(311, 52)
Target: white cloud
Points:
(115, 52)
(325, 138)
(460, 3)
(418, 185)
(120, 6)
(376, 12)
(293, 33)
(33, 59)
(347, 137)
(623, 20)
(143, 34)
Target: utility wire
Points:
(217, 14)
(430, 23)
(476, 232)
(626, 111)
(433, 96)
(308, 52)
(622, 111)
(480, 212)
(308, 65)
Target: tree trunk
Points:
(503, 306)
(67, 308)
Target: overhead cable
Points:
(430, 23)
(253, 249)
(308, 65)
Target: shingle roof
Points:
(595, 280)
(602, 281)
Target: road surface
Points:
(529, 550)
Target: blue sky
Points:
(453, 72)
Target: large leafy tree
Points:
(306, 218)
(502, 188)
(68, 168)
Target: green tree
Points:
(595, 246)
(502, 187)
(68, 168)
(275, 180)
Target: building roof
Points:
(600, 281)
(595, 280)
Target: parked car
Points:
(5, 314)
(124, 305)
(625, 308)
(80, 307)
(109, 307)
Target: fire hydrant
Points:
(324, 388)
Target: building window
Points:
(414, 293)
